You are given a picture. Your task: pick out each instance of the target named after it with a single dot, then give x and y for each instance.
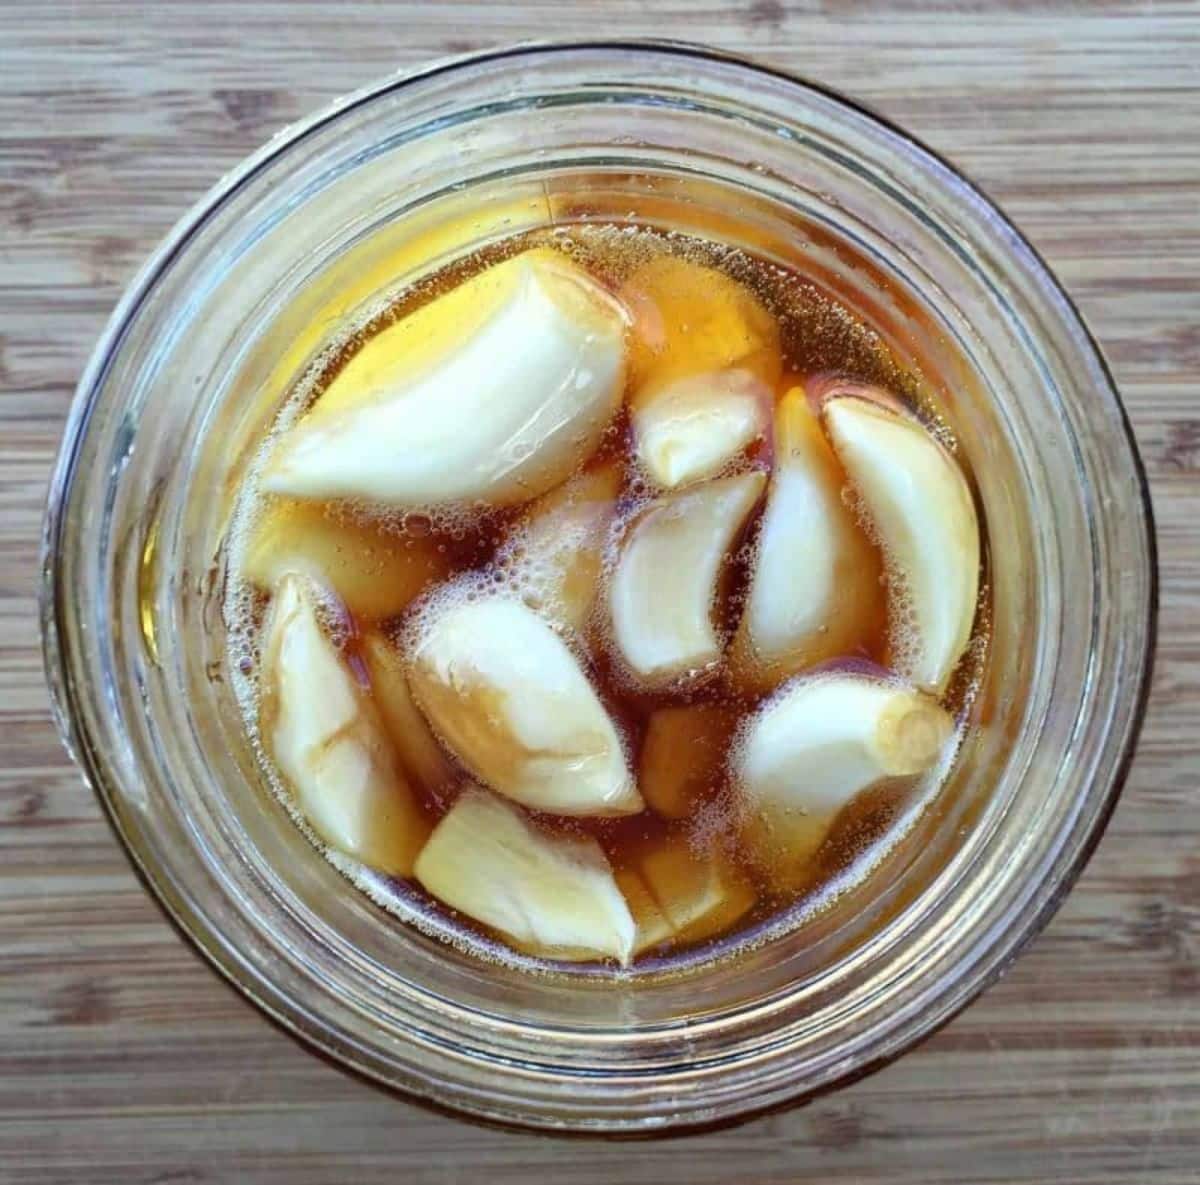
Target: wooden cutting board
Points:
(124, 1060)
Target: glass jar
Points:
(391, 182)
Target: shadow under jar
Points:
(396, 182)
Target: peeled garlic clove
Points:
(691, 319)
(374, 572)
(552, 895)
(513, 704)
(665, 583)
(524, 373)
(824, 388)
(816, 591)
(821, 741)
(556, 555)
(417, 749)
(919, 503)
(652, 927)
(328, 744)
(676, 892)
(691, 427)
(682, 756)
(699, 893)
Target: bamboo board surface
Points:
(125, 1061)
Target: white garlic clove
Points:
(824, 388)
(682, 759)
(692, 319)
(690, 428)
(495, 391)
(418, 750)
(556, 555)
(699, 892)
(676, 891)
(328, 743)
(513, 704)
(553, 896)
(816, 591)
(357, 558)
(664, 586)
(651, 925)
(920, 506)
(821, 741)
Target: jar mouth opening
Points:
(772, 1026)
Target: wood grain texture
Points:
(123, 1060)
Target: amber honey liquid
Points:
(432, 548)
